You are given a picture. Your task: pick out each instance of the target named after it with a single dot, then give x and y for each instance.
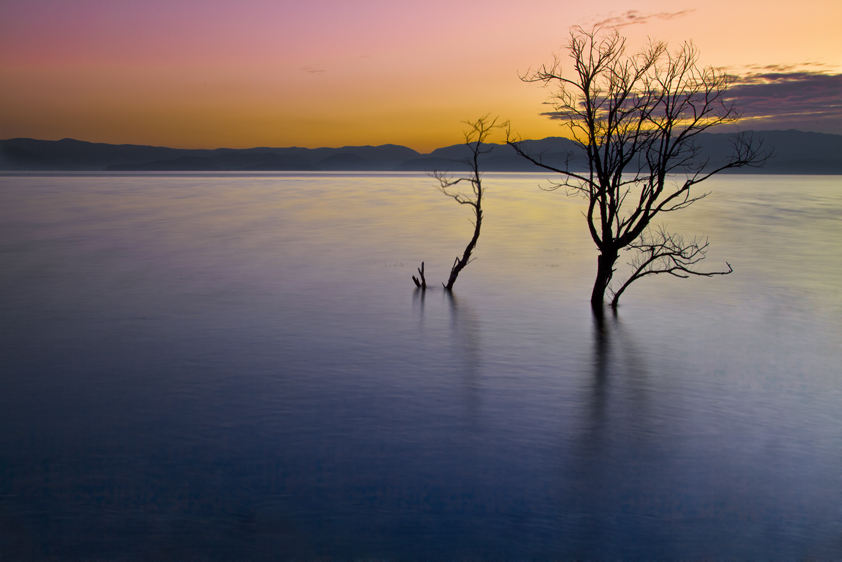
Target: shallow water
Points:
(216, 367)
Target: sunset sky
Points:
(219, 73)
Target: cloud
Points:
(754, 68)
(799, 98)
(634, 17)
(313, 69)
(806, 100)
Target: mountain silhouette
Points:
(794, 152)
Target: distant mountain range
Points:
(795, 152)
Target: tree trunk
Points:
(460, 264)
(604, 272)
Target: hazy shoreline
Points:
(795, 152)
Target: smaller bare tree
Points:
(476, 136)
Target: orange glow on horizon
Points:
(214, 74)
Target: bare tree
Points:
(476, 136)
(637, 118)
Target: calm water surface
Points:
(220, 367)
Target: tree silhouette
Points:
(637, 118)
(475, 136)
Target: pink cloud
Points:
(634, 17)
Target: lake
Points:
(221, 367)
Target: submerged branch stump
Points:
(422, 284)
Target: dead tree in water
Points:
(637, 118)
(477, 133)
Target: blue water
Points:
(221, 367)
